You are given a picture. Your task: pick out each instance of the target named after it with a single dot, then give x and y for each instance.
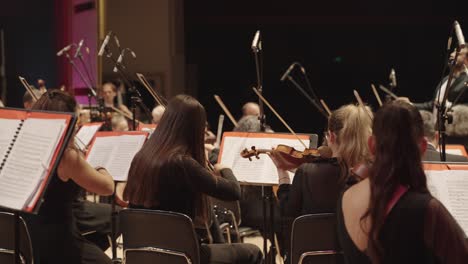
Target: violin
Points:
(358, 173)
(292, 157)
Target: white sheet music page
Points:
(451, 188)
(115, 153)
(29, 160)
(258, 171)
(8, 128)
(86, 134)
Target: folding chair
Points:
(231, 210)
(314, 240)
(151, 236)
(7, 240)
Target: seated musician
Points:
(157, 113)
(316, 186)
(170, 173)
(119, 123)
(390, 217)
(457, 131)
(28, 100)
(109, 94)
(250, 109)
(53, 231)
(432, 137)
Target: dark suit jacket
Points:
(433, 155)
(457, 86)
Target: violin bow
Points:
(28, 88)
(225, 109)
(325, 106)
(361, 103)
(358, 98)
(219, 132)
(377, 96)
(387, 91)
(278, 116)
(146, 84)
(124, 114)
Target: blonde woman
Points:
(316, 186)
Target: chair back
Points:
(314, 240)
(7, 240)
(151, 236)
(232, 206)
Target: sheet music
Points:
(8, 128)
(86, 134)
(451, 188)
(115, 153)
(257, 171)
(454, 152)
(29, 160)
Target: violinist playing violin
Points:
(316, 185)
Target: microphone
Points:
(117, 42)
(459, 34)
(78, 48)
(256, 42)
(392, 78)
(67, 48)
(104, 44)
(119, 61)
(288, 71)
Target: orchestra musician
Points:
(432, 137)
(119, 123)
(317, 185)
(170, 173)
(390, 217)
(54, 233)
(457, 131)
(457, 84)
(28, 100)
(109, 94)
(157, 113)
(250, 108)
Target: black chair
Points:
(7, 240)
(314, 240)
(151, 236)
(231, 210)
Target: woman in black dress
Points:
(316, 186)
(391, 217)
(169, 173)
(54, 234)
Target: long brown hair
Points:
(352, 126)
(180, 133)
(56, 100)
(398, 130)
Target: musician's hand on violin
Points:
(219, 167)
(280, 162)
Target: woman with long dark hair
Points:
(391, 217)
(170, 173)
(54, 233)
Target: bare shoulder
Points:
(357, 196)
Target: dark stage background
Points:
(343, 46)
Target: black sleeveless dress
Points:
(53, 231)
(418, 229)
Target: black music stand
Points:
(60, 150)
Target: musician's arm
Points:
(74, 166)
(225, 187)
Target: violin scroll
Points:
(248, 154)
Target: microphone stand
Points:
(91, 91)
(312, 101)
(267, 193)
(442, 114)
